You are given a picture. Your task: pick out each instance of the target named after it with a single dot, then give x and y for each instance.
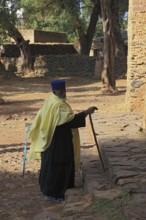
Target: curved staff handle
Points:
(94, 134)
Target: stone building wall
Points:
(144, 118)
(61, 65)
(136, 76)
(36, 36)
(11, 50)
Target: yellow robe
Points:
(54, 112)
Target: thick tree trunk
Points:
(108, 72)
(85, 39)
(23, 45)
(26, 60)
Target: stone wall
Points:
(60, 58)
(136, 76)
(144, 118)
(36, 36)
(68, 64)
(11, 50)
(64, 65)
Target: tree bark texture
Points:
(23, 45)
(85, 39)
(120, 49)
(108, 72)
(2, 69)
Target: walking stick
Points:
(28, 126)
(94, 134)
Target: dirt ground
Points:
(20, 197)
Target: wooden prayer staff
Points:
(94, 134)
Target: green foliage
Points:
(99, 31)
(123, 13)
(108, 208)
(7, 12)
(8, 8)
(3, 37)
(56, 15)
(124, 197)
(47, 15)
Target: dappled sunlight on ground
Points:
(20, 197)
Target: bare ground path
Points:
(20, 198)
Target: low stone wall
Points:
(55, 64)
(63, 64)
(61, 58)
(67, 64)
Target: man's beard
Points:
(64, 99)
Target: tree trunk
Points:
(108, 72)
(26, 64)
(2, 69)
(7, 25)
(85, 39)
(119, 43)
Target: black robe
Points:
(57, 171)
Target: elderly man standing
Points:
(55, 139)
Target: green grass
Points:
(109, 209)
(124, 197)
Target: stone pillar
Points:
(136, 55)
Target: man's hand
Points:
(90, 110)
